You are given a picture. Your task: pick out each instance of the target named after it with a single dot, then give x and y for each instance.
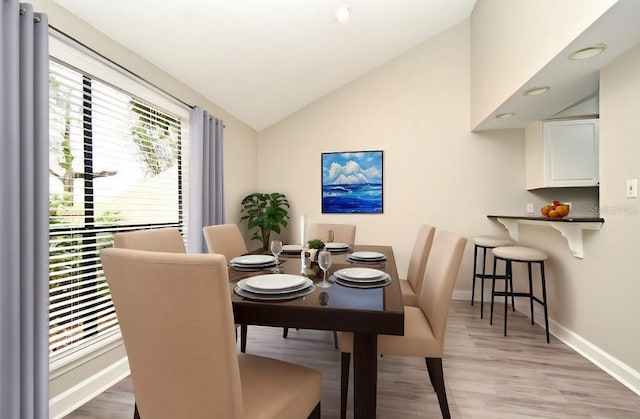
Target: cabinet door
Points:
(571, 153)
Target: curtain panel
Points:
(24, 225)
(206, 183)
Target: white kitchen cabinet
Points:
(562, 153)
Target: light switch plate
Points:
(530, 209)
(632, 188)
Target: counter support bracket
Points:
(572, 232)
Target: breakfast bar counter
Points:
(571, 228)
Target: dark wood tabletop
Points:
(364, 312)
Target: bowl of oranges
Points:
(555, 210)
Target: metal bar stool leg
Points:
(473, 282)
(507, 281)
(493, 288)
(544, 299)
(530, 290)
(484, 274)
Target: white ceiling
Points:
(262, 60)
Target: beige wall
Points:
(415, 108)
(512, 40)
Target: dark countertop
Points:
(569, 219)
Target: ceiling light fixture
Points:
(505, 115)
(534, 91)
(588, 52)
(343, 13)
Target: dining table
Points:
(364, 312)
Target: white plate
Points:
(274, 297)
(377, 284)
(292, 248)
(275, 281)
(242, 284)
(365, 261)
(336, 246)
(356, 274)
(382, 277)
(368, 255)
(253, 260)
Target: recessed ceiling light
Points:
(534, 91)
(505, 115)
(588, 52)
(343, 13)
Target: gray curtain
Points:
(206, 183)
(24, 216)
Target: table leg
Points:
(365, 375)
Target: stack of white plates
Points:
(274, 287)
(292, 248)
(253, 262)
(366, 257)
(336, 247)
(361, 278)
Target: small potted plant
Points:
(314, 268)
(266, 213)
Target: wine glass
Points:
(324, 261)
(276, 249)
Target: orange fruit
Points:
(562, 210)
(553, 214)
(545, 210)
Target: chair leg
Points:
(345, 362)
(434, 366)
(507, 281)
(493, 288)
(315, 414)
(285, 332)
(530, 291)
(243, 338)
(473, 282)
(544, 299)
(335, 339)
(136, 414)
(484, 274)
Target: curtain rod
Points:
(120, 66)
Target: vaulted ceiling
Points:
(262, 60)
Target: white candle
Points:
(304, 221)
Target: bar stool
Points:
(529, 256)
(484, 243)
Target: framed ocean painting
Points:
(352, 182)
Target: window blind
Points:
(115, 165)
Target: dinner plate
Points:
(275, 282)
(252, 268)
(249, 260)
(359, 274)
(336, 246)
(274, 297)
(363, 280)
(291, 248)
(243, 285)
(377, 284)
(368, 256)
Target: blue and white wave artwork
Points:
(352, 182)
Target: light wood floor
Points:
(487, 375)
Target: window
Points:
(115, 164)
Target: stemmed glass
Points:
(276, 249)
(324, 261)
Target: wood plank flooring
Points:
(487, 375)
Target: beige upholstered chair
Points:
(155, 240)
(340, 233)
(225, 239)
(425, 325)
(176, 318)
(411, 286)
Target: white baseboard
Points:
(76, 396)
(603, 360)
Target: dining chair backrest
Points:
(154, 240)
(225, 239)
(340, 233)
(439, 280)
(176, 320)
(419, 256)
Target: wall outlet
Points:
(530, 208)
(632, 188)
